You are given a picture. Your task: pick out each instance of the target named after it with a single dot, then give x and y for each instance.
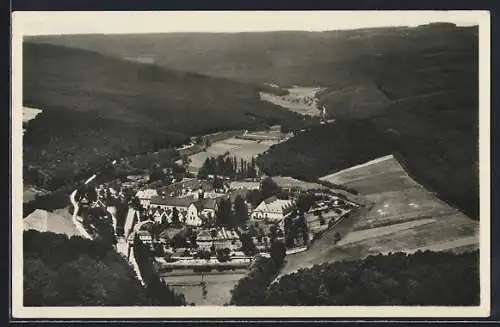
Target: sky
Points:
(49, 23)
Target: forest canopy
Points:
(62, 271)
(424, 278)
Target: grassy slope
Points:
(97, 106)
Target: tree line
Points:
(231, 215)
(423, 278)
(157, 290)
(224, 165)
(62, 271)
(251, 289)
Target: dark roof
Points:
(193, 184)
(270, 200)
(171, 201)
(206, 204)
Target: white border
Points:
(481, 18)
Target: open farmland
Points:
(31, 192)
(402, 216)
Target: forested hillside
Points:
(77, 272)
(424, 278)
(96, 107)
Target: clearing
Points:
(235, 147)
(301, 100)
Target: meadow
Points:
(401, 216)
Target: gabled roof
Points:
(273, 205)
(205, 204)
(204, 235)
(244, 184)
(172, 201)
(44, 221)
(146, 194)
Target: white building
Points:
(220, 238)
(201, 211)
(242, 185)
(145, 196)
(168, 204)
(272, 208)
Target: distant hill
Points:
(286, 58)
(96, 107)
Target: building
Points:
(242, 185)
(145, 196)
(201, 211)
(272, 208)
(220, 238)
(145, 236)
(171, 203)
(204, 240)
(263, 243)
(184, 187)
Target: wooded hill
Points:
(96, 107)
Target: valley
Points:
(218, 187)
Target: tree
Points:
(205, 170)
(175, 216)
(304, 202)
(273, 232)
(337, 237)
(422, 279)
(156, 173)
(62, 271)
(247, 245)
(289, 231)
(269, 188)
(321, 220)
(278, 252)
(254, 197)
(217, 183)
(323, 295)
(240, 210)
(179, 240)
(224, 214)
(222, 255)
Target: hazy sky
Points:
(40, 23)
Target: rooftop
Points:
(173, 201)
(274, 205)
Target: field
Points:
(240, 148)
(30, 193)
(295, 100)
(403, 216)
(218, 286)
(290, 182)
(30, 113)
